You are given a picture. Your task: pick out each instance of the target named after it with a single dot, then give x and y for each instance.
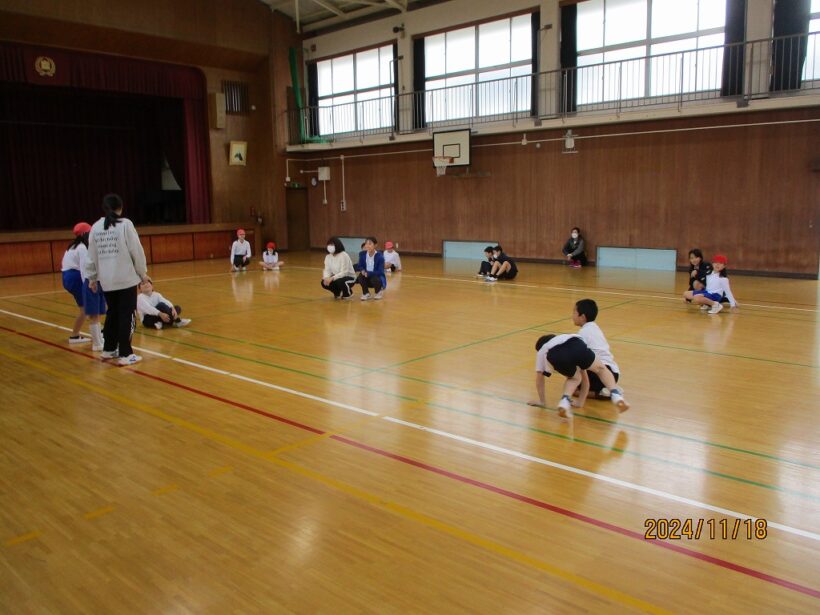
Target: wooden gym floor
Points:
(291, 453)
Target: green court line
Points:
(478, 393)
(527, 427)
(277, 349)
(712, 352)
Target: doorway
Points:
(298, 222)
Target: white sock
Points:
(96, 333)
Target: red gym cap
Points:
(388, 245)
(240, 231)
(719, 258)
(81, 228)
(271, 245)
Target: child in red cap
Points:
(717, 287)
(92, 305)
(392, 260)
(240, 252)
(270, 258)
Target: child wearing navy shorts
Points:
(571, 357)
(92, 305)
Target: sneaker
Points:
(158, 325)
(366, 297)
(704, 307)
(716, 308)
(604, 393)
(182, 322)
(481, 275)
(575, 265)
(129, 360)
(490, 278)
(347, 298)
(244, 268)
(565, 407)
(109, 354)
(619, 401)
(379, 295)
(78, 339)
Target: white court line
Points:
(48, 292)
(635, 294)
(606, 479)
(492, 447)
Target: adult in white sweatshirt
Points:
(116, 260)
(338, 275)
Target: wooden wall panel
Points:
(57, 248)
(213, 245)
(145, 240)
(746, 191)
(26, 258)
(172, 248)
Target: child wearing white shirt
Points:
(569, 356)
(92, 305)
(155, 310)
(270, 258)
(392, 260)
(240, 252)
(584, 315)
(717, 287)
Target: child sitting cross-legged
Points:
(155, 310)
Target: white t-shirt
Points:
(73, 258)
(720, 286)
(270, 258)
(391, 257)
(594, 338)
(147, 304)
(541, 363)
(240, 249)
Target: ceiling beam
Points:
(402, 6)
(328, 6)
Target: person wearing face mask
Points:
(504, 268)
(338, 275)
(574, 249)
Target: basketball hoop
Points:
(441, 163)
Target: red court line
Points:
(471, 481)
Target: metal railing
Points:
(752, 69)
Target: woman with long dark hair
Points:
(116, 260)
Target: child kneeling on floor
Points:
(155, 310)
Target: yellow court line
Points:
(22, 538)
(300, 443)
(220, 471)
(98, 513)
(165, 489)
(402, 511)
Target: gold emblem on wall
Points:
(45, 66)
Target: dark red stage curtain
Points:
(43, 66)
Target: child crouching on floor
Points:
(155, 310)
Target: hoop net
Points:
(441, 163)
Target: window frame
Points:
(478, 70)
(648, 42)
(355, 92)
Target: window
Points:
(657, 48)
(356, 91)
(811, 68)
(479, 70)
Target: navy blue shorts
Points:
(710, 296)
(93, 303)
(569, 356)
(73, 283)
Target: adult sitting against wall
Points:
(575, 249)
(338, 275)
